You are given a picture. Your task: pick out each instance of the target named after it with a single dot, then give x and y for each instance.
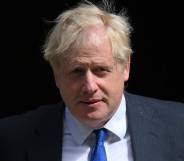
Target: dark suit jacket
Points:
(156, 129)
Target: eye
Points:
(102, 71)
(78, 71)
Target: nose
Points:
(89, 83)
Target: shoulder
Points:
(38, 113)
(17, 132)
(23, 124)
(153, 101)
(167, 111)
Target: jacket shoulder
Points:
(16, 132)
(29, 117)
(15, 128)
(167, 111)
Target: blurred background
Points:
(27, 80)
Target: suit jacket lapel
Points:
(147, 134)
(46, 142)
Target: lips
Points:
(91, 101)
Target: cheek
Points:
(113, 92)
(115, 83)
(114, 89)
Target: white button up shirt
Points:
(78, 139)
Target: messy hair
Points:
(69, 26)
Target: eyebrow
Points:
(97, 61)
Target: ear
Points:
(126, 70)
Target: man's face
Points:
(90, 81)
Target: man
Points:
(89, 52)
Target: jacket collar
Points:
(46, 141)
(148, 134)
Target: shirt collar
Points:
(117, 124)
(78, 130)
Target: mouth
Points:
(91, 101)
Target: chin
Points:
(95, 120)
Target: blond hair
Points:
(64, 36)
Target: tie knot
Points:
(101, 135)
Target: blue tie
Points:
(98, 152)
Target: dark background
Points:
(27, 80)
